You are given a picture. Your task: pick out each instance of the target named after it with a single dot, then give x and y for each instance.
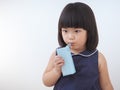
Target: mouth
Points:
(71, 44)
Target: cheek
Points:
(64, 37)
(82, 38)
(85, 39)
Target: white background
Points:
(28, 36)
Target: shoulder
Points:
(101, 57)
(52, 55)
(50, 64)
(101, 61)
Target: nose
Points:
(71, 36)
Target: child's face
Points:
(77, 37)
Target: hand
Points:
(58, 63)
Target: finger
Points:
(58, 57)
(57, 61)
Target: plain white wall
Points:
(28, 36)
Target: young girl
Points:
(77, 26)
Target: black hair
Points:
(79, 15)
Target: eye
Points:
(65, 31)
(77, 31)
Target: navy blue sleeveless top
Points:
(86, 76)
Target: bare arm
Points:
(104, 75)
(53, 70)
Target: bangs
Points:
(71, 18)
(72, 22)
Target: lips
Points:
(71, 44)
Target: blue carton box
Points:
(68, 68)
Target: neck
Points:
(77, 51)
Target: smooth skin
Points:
(77, 37)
